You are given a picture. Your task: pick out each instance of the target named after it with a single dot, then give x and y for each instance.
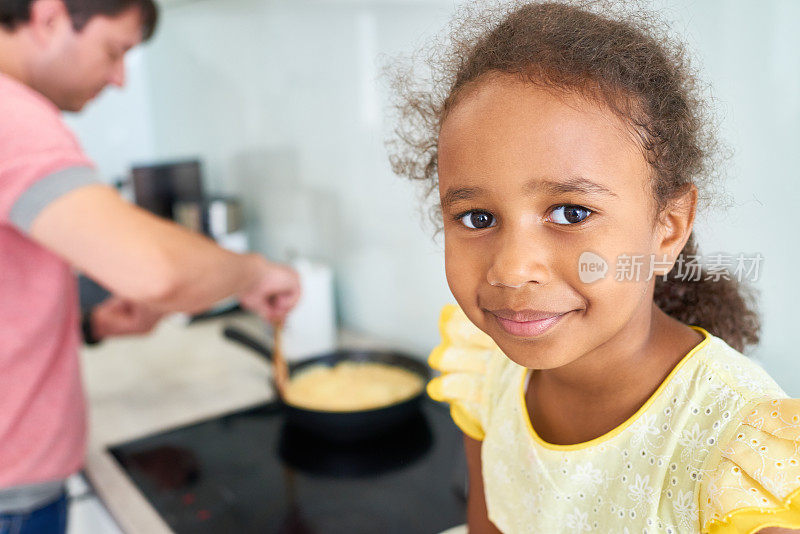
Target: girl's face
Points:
(529, 181)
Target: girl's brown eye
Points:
(569, 214)
(478, 219)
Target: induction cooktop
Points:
(250, 472)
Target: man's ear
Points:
(675, 224)
(47, 18)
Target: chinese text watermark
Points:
(692, 268)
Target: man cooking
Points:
(56, 216)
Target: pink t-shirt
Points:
(42, 408)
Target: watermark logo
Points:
(692, 268)
(591, 267)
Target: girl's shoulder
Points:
(469, 362)
(751, 475)
(724, 366)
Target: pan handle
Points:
(238, 336)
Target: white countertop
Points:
(178, 375)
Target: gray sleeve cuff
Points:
(24, 499)
(44, 191)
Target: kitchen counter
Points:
(179, 374)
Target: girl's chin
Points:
(549, 351)
(543, 353)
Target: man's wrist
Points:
(253, 272)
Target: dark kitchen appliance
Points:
(346, 426)
(158, 187)
(250, 472)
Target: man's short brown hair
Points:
(15, 12)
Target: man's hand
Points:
(121, 317)
(275, 293)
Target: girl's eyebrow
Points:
(575, 184)
(460, 193)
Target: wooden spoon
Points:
(281, 369)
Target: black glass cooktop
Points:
(250, 472)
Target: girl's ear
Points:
(675, 225)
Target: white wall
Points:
(280, 100)
(283, 102)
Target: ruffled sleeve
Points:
(463, 358)
(756, 480)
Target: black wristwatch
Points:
(86, 328)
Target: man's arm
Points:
(139, 256)
(477, 516)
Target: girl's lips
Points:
(528, 328)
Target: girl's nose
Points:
(519, 259)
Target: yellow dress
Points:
(716, 449)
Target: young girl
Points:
(564, 144)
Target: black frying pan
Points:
(346, 426)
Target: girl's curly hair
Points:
(622, 58)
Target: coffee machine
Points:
(174, 190)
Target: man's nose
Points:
(117, 77)
(520, 258)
